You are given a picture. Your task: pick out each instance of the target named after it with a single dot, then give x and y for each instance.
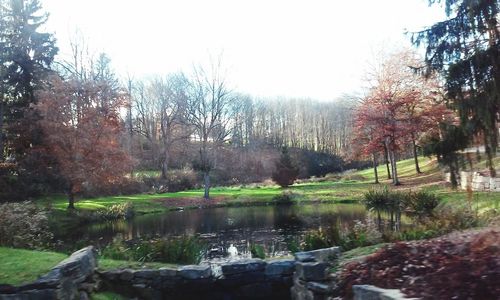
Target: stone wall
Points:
(70, 279)
(477, 182)
(311, 278)
(242, 279)
(304, 278)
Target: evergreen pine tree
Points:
(286, 172)
(26, 56)
(466, 49)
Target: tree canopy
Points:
(466, 49)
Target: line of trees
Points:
(401, 108)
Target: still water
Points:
(272, 227)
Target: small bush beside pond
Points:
(285, 197)
(257, 251)
(24, 225)
(116, 211)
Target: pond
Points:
(272, 227)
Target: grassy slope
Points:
(343, 190)
(18, 266)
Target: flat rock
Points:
(147, 274)
(168, 272)
(370, 292)
(127, 275)
(280, 267)
(318, 287)
(195, 272)
(311, 271)
(326, 254)
(243, 266)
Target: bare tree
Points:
(207, 113)
(171, 97)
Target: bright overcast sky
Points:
(316, 48)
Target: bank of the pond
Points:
(350, 188)
(310, 192)
(347, 189)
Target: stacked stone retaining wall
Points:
(304, 278)
(70, 279)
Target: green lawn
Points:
(148, 203)
(350, 188)
(19, 266)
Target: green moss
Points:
(18, 266)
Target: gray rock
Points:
(311, 271)
(84, 296)
(147, 274)
(243, 266)
(280, 267)
(110, 275)
(31, 295)
(168, 272)
(370, 292)
(299, 293)
(80, 265)
(195, 272)
(322, 255)
(126, 275)
(318, 288)
(304, 257)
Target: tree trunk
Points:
(164, 164)
(489, 155)
(453, 177)
(71, 197)
(415, 156)
(2, 158)
(395, 179)
(375, 167)
(386, 157)
(206, 180)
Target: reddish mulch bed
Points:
(192, 201)
(462, 265)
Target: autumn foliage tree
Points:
(400, 106)
(82, 130)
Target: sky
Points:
(317, 49)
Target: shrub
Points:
(257, 251)
(284, 198)
(116, 211)
(177, 180)
(181, 180)
(420, 204)
(24, 225)
(316, 239)
(447, 218)
(183, 250)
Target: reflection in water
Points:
(268, 226)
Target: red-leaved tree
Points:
(400, 106)
(81, 129)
